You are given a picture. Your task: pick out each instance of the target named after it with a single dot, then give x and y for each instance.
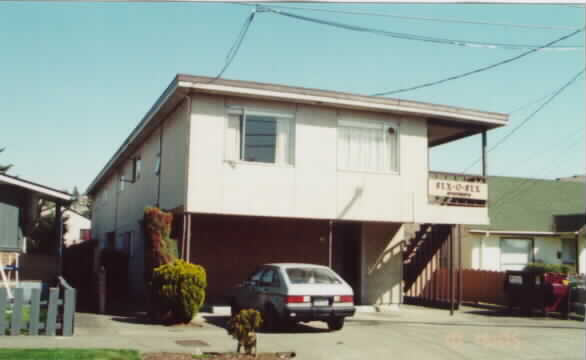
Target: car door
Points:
(269, 290)
(249, 290)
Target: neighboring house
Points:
(531, 220)
(258, 173)
(78, 227)
(19, 200)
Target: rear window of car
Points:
(311, 276)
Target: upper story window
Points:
(136, 168)
(368, 145)
(158, 164)
(263, 137)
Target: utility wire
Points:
(423, 38)
(527, 184)
(530, 116)
(476, 71)
(421, 18)
(236, 45)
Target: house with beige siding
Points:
(258, 173)
(532, 220)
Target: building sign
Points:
(458, 189)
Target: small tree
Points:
(242, 327)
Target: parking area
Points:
(411, 332)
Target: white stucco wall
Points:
(123, 210)
(381, 275)
(312, 187)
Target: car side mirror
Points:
(248, 283)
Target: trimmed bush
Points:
(548, 268)
(178, 291)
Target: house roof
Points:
(534, 205)
(44, 191)
(447, 123)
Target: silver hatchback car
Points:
(287, 293)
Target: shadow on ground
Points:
(222, 321)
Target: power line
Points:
(422, 38)
(236, 45)
(421, 18)
(528, 183)
(476, 71)
(577, 137)
(530, 116)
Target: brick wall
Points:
(230, 247)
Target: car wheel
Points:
(336, 323)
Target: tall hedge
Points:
(178, 290)
(157, 226)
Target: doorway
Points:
(346, 254)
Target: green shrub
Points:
(178, 290)
(543, 268)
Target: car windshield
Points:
(306, 275)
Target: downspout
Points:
(160, 164)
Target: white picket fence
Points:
(51, 317)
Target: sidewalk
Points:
(407, 331)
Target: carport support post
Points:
(330, 242)
(451, 269)
(484, 153)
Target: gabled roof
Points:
(534, 205)
(448, 122)
(44, 191)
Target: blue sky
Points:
(77, 77)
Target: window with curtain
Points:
(367, 145)
(259, 137)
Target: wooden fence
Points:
(51, 317)
(483, 286)
(478, 286)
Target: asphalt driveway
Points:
(412, 332)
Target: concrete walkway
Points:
(411, 332)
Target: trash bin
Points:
(525, 290)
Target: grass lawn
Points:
(68, 354)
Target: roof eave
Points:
(188, 83)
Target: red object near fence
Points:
(557, 298)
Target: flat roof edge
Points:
(333, 98)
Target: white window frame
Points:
(365, 123)
(243, 112)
